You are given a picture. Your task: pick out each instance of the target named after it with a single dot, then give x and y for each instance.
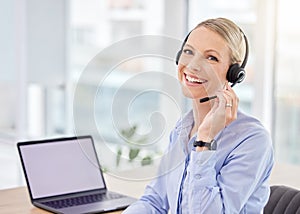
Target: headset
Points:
(236, 73)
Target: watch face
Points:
(213, 145)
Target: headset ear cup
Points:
(178, 56)
(235, 74)
(241, 75)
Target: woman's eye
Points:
(188, 51)
(213, 58)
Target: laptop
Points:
(63, 175)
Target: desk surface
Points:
(15, 201)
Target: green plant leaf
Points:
(146, 161)
(129, 133)
(119, 154)
(133, 153)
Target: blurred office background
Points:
(45, 45)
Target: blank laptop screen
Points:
(61, 167)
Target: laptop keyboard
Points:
(87, 199)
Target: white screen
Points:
(62, 167)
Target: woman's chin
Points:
(191, 94)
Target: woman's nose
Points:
(194, 65)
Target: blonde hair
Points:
(231, 33)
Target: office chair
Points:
(283, 200)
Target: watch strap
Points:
(200, 143)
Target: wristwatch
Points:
(210, 145)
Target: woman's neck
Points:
(200, 111)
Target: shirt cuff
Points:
(202, 168)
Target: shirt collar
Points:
(183, 129)
(187, 121)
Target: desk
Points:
(16, 201)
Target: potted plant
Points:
(135, 145)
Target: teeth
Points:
(191, 79)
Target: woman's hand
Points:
(222, 113)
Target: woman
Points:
(219, 159)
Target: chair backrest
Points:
(283, 200)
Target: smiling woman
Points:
(215, 150)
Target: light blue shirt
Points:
(231, 179)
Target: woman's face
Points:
(203, 63)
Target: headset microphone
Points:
(205, 99)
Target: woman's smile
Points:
(193, 80)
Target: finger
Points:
(221, 99)
(230, 99)
(231, 106)
(220, 111)
(230, 92)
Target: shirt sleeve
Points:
(246, 168)
(153, 201)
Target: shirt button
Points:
(197, 176)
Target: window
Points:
(287, 88)
(123, 75)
